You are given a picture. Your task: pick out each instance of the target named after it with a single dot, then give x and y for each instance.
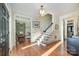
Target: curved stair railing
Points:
(41, 38)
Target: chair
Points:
(73, 45)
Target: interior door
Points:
(4, 30)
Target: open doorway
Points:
(70, 31)
(68, 28)
(23, 31)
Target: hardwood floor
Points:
(0, 52)
(31, 51)
(60, 52)
(34, 50)
(47, 53)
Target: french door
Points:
(4, 30)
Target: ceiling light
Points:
(42, 11)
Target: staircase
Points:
(48, 36)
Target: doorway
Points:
(68, 28)
(23, 31)
(70, 31)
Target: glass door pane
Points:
(0, 25)
(4, 26)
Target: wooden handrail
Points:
(48, 27)
(45, 31)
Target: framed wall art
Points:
(36, 24)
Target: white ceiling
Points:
(33, 8)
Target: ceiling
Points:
(33, 8)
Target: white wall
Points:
(57, 22)
(35, 32)
(11, 27)
(45, 21)
(27, 28)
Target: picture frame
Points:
(56, 26)
(36, 24)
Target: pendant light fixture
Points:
(42, 11)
